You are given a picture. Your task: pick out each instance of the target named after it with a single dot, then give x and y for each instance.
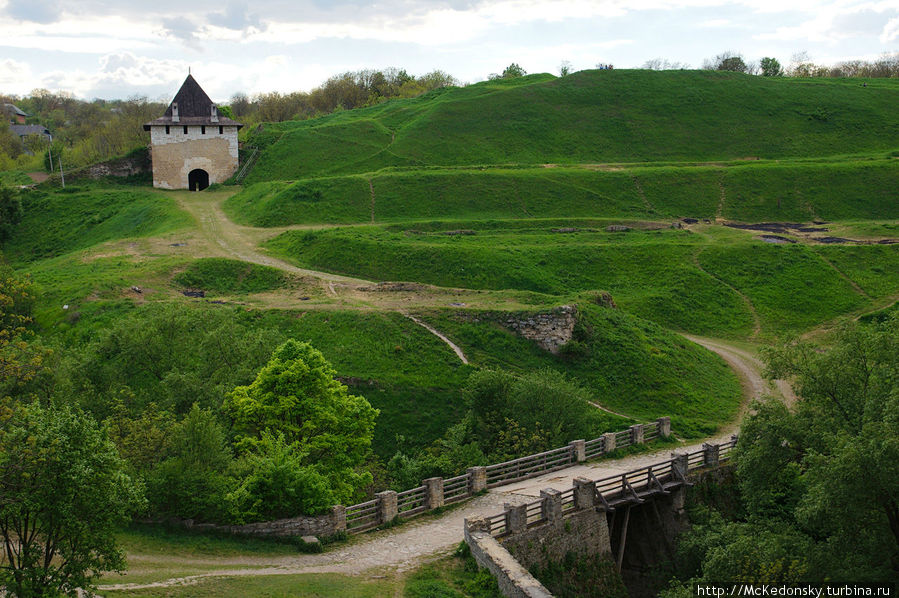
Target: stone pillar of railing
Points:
(516, 518)
(680, 463)
(584, 491)
(637, 434)
(477, 479)
(710, 454)
(433, 492)
(338, 518)
(578, 450)
(664, 427)
(387, 509)
(551, 509)
(608, 442)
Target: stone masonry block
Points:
(584, 491)
(664, 427)
(578, 450)
(637, 434)
(516, 518)
(477, 479)
(433, 492)
(551, 508)
(387, 509)
(608, 443)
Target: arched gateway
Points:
(193, 144)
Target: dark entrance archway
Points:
(197, 180)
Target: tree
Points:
(564, 68)
(63, 494)
(771, 67)
(296, 395)
(514, 416)
(818, 484)
(727, 61)
(193, 482)
(510, 72)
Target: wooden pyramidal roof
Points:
(193, 108)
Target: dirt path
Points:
(436, 333)
(430, 537)
(756, 321)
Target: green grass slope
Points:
(59, 222)
(798, 191)
(701, 283)
(592, 116)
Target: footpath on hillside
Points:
(408, 545)
(431, 536)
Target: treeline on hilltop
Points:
(85, 132)
(800, 65)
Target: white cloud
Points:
(890, 31)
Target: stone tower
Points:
(193, 145)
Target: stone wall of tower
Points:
(176, 153)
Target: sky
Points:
(123, 48)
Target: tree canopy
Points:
(819, 484)
(62, 495)
(296, 398)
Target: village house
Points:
(13, 114)
(193, 145)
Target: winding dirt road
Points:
(431, 536)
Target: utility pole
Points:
(62, 175)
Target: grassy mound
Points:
(55, 223)
(683, 280)
(592, 116)
(220, 275)
(798, 191)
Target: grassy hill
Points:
(592, 116)
(507, 188)
(796, 191)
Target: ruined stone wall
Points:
(322, 526)
(514, 581)
(551, 330)
(582, 533)
(175, 154)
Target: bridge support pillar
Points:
(608, 442)
(433, 492)
(710, 454)
(387, 509)
(637, 434)
(551, 508)
(477, 479)
(584, 491)
(516, 518)
(664, 427)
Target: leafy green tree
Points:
(819, 483)
(194, 481)
(63, 494)
(771, 67)
(296, 395)
(727, 61)
(276, 483)
(513, 415)
(168, 355)
(22, 360)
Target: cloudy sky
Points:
(122, 48)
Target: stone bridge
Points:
(632, 518)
